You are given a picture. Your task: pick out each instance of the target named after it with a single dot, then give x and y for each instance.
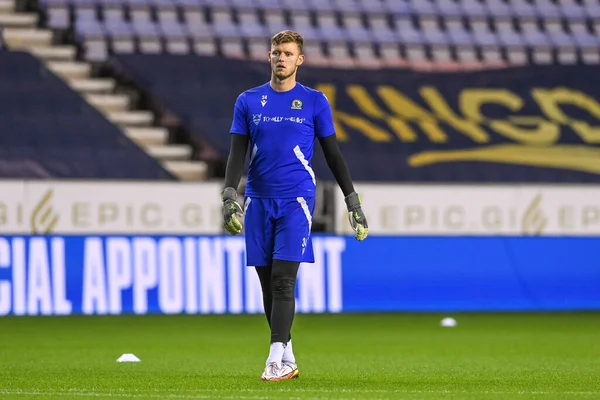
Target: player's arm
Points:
(233, 214)
(325, 131)
(337, 164)
(236, 159)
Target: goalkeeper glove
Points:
(357, 218)
(233, 214)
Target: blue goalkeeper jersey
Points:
(282, 127)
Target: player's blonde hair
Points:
(288, 37)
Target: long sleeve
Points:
(337, 163)
(235, 161)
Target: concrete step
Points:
(54, 53)
(131, 118)
(93, 86)
(172, 152)
(109, 102)
(19, 38)
(20, 20)
(150, 136)
(70, 70)
(187, 170)
(7, 6)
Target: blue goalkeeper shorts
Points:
(278, 229)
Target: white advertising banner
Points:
(476, 210)
(40, 207)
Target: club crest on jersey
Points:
(256, 118)
(296, 104)
(264, 100)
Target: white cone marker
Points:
(128, 357)
(448, 322)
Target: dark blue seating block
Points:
(48, 130)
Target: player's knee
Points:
(283, 279)
(283, 286)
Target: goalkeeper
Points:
(279, 121)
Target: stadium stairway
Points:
(21, 32)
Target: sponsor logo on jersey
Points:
(297, 120)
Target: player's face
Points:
(285, 59)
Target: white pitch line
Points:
(157, 396)
(147, 393)
(366, 391)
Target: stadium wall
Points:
(80, 248)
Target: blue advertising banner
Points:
(56, 275)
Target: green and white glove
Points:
(357, 218)
(233, 214)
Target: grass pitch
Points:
(378, 356)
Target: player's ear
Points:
(269, 55)
(300, 60)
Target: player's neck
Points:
(283, 85)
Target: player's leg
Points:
(288, 360)
(279, 300)
(259, 231)
(288, 366)
(264, 277)
(283, 282)
(278, 288)
(292, 246)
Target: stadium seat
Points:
(250, 24)
(321, 6)
(424, 8)
(592, 9)
(372, 6)
(295, 6)
(346, 5)
(268, 5)
(275, 21)
(449, 8)
(473, 9)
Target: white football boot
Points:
(271, 372)
(289, 370)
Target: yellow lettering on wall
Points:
(402, 130)
(541, 132)
(433, 131)
(368, 106)
(538, 131)
(589, 134)
(575, 157)
(443, 110)
(550, 101)
(366, 127)
(365, 102)
(402, 105)
(406, 109)
(471, 101)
